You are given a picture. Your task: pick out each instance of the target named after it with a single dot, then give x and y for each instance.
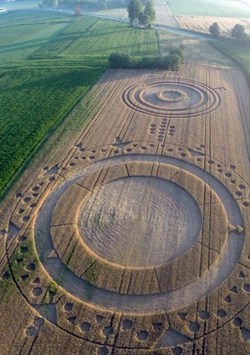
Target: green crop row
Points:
(98, 38)
(33, 101)
(17, 41)
(79, 26)
(48, 62)
(34, 17)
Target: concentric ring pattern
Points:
(178, 99)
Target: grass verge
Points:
(236, 52)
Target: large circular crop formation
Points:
(125, 236)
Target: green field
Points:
(224, 8)
(92, 41)
(23, 32)
(240, 54)
(48, 62)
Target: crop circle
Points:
(139, 221)
(180, 99)
(62, 254)
(81, 257)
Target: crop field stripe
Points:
(102, 41)
(99, 112)
(73, 149)
(62, 42)
(21, 39)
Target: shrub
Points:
(147, 62)
(172, 61)
(120, 60)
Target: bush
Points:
(120, 60)
(147, 62)
(173, 61)
(177, 51)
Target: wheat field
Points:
(133, 236)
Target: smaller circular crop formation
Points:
(180, 99)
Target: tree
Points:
(214, 29)
(175, 59)
(143, 19)
(238, 32)
(150, 11)
(144, 15)
(135, 8)
(120, 60)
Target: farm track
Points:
(157, 25)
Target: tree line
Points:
(172, 61)
(141, 14)
(237, 32)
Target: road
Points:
(156, 25)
